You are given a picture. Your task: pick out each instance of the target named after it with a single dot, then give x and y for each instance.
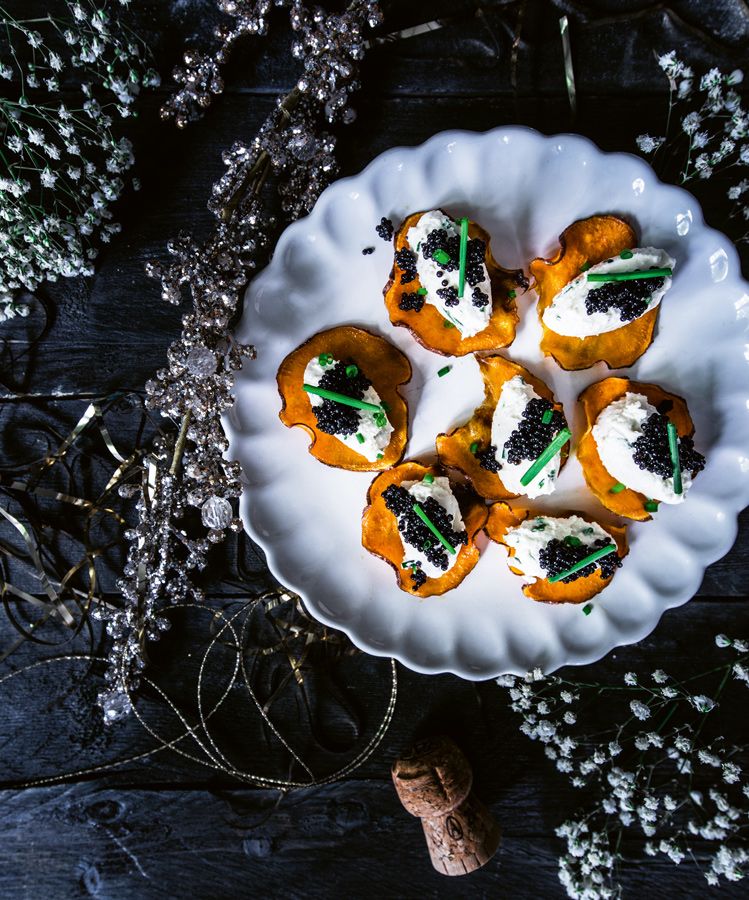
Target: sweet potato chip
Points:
(595, 398)
(589, 241)
(384, 365)
(428, 325)
(380, 534)
(454, 448)
(502, 518)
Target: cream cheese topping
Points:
(376, 439)
(616, 429)
(516, 394)
(533, 535)
(441, 491)
(566, 314)
(466, 317)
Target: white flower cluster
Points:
(716, 131)
(643, 768)
(62, 163)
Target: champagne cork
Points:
(434, 782)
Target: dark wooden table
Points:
(163, 825)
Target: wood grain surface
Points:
(162, 825)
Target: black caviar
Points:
(651, 450)
(488, 459)
(406, 260)
(449, 295)
(418, 576)
(630, 298)
(411, 300)
(414, 532)
(558, 556)
(385, 229)
(336, 418)
(367, 251)
(479, 298)
(533, 435)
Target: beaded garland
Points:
(195, 387)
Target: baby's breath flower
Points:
(630, 678)
(659, 676)
(640, 710)
(702, 703)
(691, 122)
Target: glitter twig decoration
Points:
(170, 541)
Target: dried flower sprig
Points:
(707, 129)
(664, 781)
(62, 164)
(168, 546)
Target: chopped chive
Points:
(585, 561)
(559, 441)
(474, 447)
(433, 528)
(587, 609)
(380, 419)
(651, 505)
(463, 253)
(422, 290)
(617, 488)
(428, 478)
(325, 359)
(572, 541)
(352, 371)
(444, 370)
(626, 254)
(512, 294)
(585, 266)
(341, 398)
(630, 276)
(447, 324)
(380, 455)
(360, 437)
(539, 526)
(673, 448)
(408, 564)
(441, 257)
(547, 416)
(427, 545)
(587, 531)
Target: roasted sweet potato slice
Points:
(454, 448)
(595, 398)
(428, 325)
(502, 517)
(380, 534)
(589, 241)
(380, 361)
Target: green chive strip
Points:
(617, 488)
(341, 398)
(547, 416)
(433, 528)
(444, 370)
(559, 441)
(630, 276)
(463, 254)
(586, 561)
(441, 257)
(474, 447)
(673, 447)
(428, 478)
(422, 291)
(587, 609)
(651, 505)
(360, 437)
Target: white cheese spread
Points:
(467, 318)
(567, 313)
(376, 438)
(533, 535)
(616, 429)
(516, 394)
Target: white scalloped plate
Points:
(524, 188)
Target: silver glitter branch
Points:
(188, 472)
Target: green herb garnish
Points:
(422, 290)
(444, 370)
(547, 416)
(325, 359)
(341, 398)
(572, 541)
(617, 488)
(651, 505)
(447, 324)
(433, 528)
(463, 253)
(352, 371)
(474, 447)
(585, 561)
(360, 437)
(673, 449)
(511, 295)
(630, 276)
(587, 609)
(441, 257)
(559, 441)
(428, 478)
(626, 254)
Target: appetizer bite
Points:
(516, 441)
(637, 450)
(447, 288)
(341, 386)
(599, 295)
(562, 559)
(424, 525)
